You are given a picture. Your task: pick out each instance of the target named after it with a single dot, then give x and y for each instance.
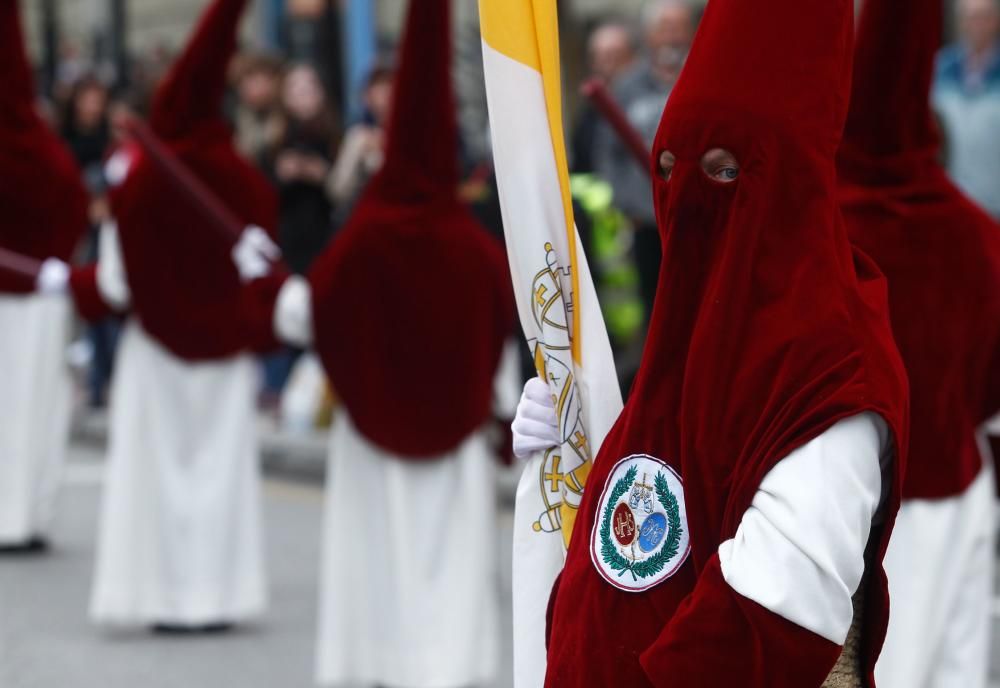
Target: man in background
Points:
(667, 29)
(611, 52)
(967, 99)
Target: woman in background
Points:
(302, 161)
(363, 150)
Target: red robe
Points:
(940, 252)
(186, 291)
(767, 330)
(42, 195)
(412, 301)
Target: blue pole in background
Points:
(274, 13)
(360, 52)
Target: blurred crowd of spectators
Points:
(287, 123)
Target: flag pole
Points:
(601, 98)
(19, 266)
(228, 226)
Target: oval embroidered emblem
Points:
(653, 530)
(623, 523)
(642, 490)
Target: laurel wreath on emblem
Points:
(655, 564)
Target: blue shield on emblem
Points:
(652, 532)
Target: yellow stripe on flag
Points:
(527, 31)
(508, 26)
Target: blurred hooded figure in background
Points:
(180, 544)
(411, 305)
(44, 216)
(735, 520)
(941, 255)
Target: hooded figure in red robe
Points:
(734, 523)
(411, 305)
(180, 541)
(185, 290)
(941, 255)
(43, 198)
(44, 215)
(417, 273)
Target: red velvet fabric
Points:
(412, 300)
(86, 295)
(185, 289)
(770, 645)
(767, 330)
(939, 251)
(42, 197)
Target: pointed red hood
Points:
(185, 289)
(768, 66)
(35, 166)
(17, 97)
(191, 94)
(421, 161)
(891, 121)
(940, 252)
(413, 275)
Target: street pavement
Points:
(46, 640)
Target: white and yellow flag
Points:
(556, 300)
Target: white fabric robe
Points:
(940, 565)
(35, 407)
(180, 538)
(409, 594)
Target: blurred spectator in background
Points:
(363, 149)
(258, 115)
(967, 98)
(607, 235)
(302, 160)
(611, 51)
(71, 69)
(668, 29)
(85, 124)
(87, 131)
(145, 72)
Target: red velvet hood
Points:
(41, 188)
(412, 300)
(940, 252)
(185, 288)
(767, 329)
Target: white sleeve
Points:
(800, 549)
(293, 312)
(112, 283)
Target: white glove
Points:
(53, 278)
(117, 167)
(293, 312)
(535, 427)
(254, 254)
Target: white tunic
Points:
(35, 406)
(180, 538)
(409, 588)
(940, 564)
